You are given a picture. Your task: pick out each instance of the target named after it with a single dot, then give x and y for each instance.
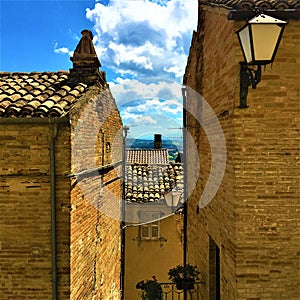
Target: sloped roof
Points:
(45, 94)
(252, 4)
(148, 183)
(147, 156)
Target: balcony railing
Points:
(170, 292)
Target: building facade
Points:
(60, 162)
(153, 231)
(246, 240)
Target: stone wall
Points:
(253, 217)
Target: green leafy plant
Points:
(151, 289)
(184, 276)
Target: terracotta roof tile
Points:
(149, 175)
(46, 94)
(28, 97)
(251, 4)
(66, 88)
(149, 156)
(150, 182)
(22, 91)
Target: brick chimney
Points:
(85, 61)
(157, 141)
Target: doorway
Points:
(214, 271)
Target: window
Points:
(149, 231)
(108, 147)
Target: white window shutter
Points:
(151, 230)
(155, 230)
(145, 232)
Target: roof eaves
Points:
(254, 4)
(240, 10)
(38, 94)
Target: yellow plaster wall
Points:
(143, 259)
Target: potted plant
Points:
(184, 276)
(151, 289)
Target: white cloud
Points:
(149, 106)
(156, 106)
(146, 43)
(62, 50)
(138, 119)
(131, 55)
(128, 90)
(144, 38)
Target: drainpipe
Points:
(185, 211)
(123, 213)
(185, 179)
(53, 211)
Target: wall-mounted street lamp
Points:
(172, 199)
(259, 40)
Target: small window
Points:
(149, 231)
(108, 147)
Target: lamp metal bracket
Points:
(248, 77)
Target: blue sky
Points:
(142, 44)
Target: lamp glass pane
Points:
(245, 43)
(172, 198)
(168, 198)
(265, 37)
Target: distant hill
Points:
(174, 146)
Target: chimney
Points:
(85, 61)
(157, 141)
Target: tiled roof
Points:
(149, 156)
(149, 183)
(46, 94)
(252, 4)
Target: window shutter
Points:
(155, 230)
(150, 230)
(145, 232)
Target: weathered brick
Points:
(88, 239)
(253, 217)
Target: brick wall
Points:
(87, 207)
(253, 218)
(25, 234)
(95, 221)
(267, 179)
(211, 71)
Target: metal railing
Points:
(170, 292)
